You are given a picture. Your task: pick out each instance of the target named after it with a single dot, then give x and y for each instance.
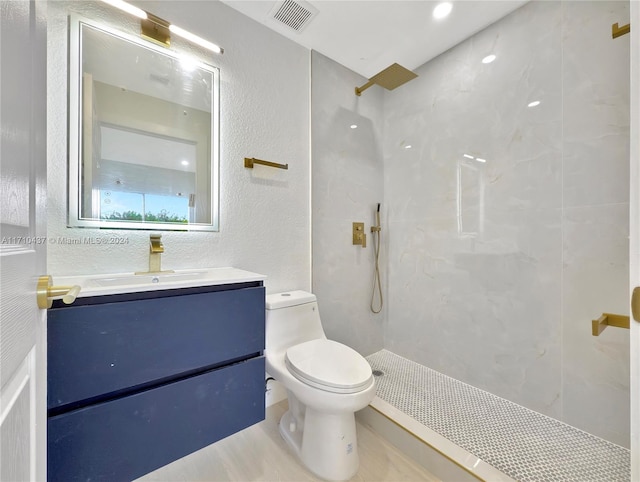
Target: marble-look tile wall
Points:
(596, 109)
(508, 224)
(347, 184)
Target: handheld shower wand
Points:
(377, 227)
(377, 286)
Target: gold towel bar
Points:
(250, 161)
(617, 31)
(608, 319)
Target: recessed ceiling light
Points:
(488, 59)
(467, 156)
(480, 160)
(408, 146)
(184, 163)
(534, 103)
(442, 10)
(353, 126)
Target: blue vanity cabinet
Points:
(139, 380)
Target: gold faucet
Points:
(156, 249)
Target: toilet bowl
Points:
(326, 383)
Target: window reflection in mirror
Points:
(143, 134)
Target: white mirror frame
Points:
(75, 135)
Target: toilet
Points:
(326, 382)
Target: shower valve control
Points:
(359, 236)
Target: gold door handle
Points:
(635, 303)
(46, 293)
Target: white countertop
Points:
(119, 283)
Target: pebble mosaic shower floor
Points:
(521, 443)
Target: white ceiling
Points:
(369, 35)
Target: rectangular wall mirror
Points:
(143, 134)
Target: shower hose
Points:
(376, 275)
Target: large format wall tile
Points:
(595, 281)
(595, 104)
(486, 313)
(475, 247)
(494, 268)
(493, 278)
(347, 173)
(596, 217)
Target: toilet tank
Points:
(292, 318)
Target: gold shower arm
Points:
(360, 90)
(617, 31)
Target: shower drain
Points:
(377, 373)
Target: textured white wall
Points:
(264, 213)
(347, 184)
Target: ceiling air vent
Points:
(294, 14)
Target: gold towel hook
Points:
(617, 31)
(608, 319)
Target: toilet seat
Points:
(329, 365)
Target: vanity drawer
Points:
(101, 351)
(126, 438)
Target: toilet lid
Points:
(329, 365)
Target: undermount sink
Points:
(141, 279)
(118, 283)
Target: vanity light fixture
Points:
(130, 9)
(160, 30)
(195, 39)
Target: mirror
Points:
(143, 134)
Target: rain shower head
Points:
(393, 76)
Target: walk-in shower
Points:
(506, 208)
